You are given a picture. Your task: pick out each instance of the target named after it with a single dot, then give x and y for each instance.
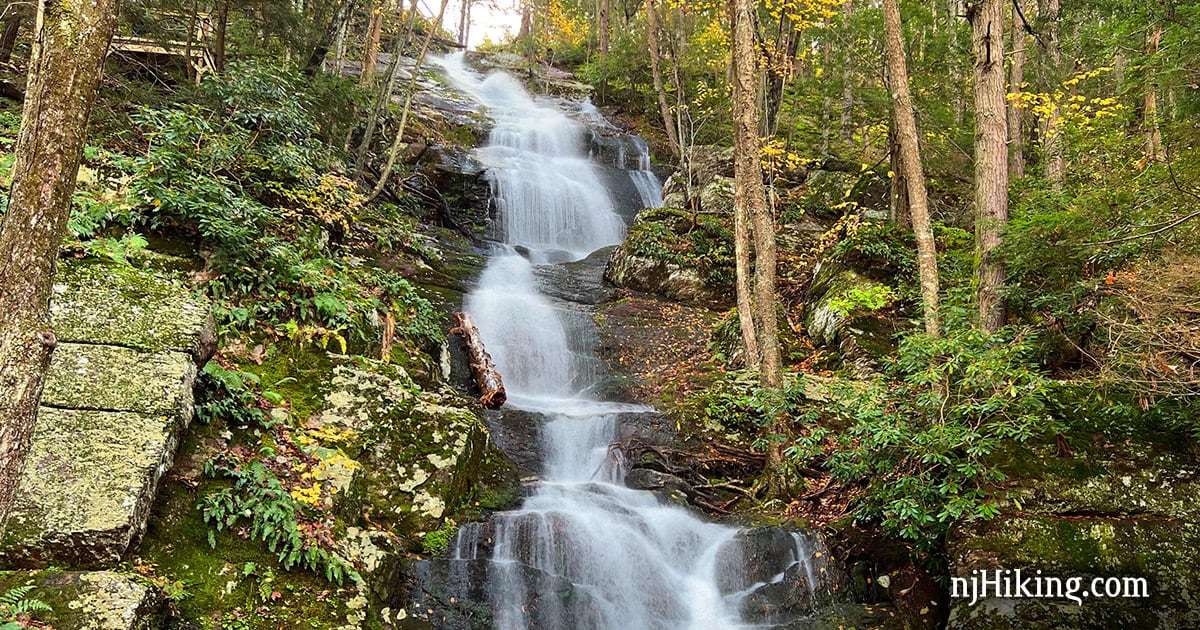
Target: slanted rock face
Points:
(118, 395)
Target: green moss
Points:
(297, 372)
(238, 578)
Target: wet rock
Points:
(518, 434)
(580, 282)
(92, 600)
(780, 575)
(673, 487)
(118, 396)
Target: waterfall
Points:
(583, 550)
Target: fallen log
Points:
(482, 369)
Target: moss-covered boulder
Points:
(831, 319)
(1126, 512)
(144, 308)
(422, 454)
(90, 600)
(677, 254)
(118, 395)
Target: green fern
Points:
(15, 604)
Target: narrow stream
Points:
(583, 550)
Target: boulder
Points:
(108, 304)
(780, 575)
(859, 340)
(421, 455)
(91, 600)
(118, 396)
(668, 279)
(1126, 513)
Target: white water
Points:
(583, 551)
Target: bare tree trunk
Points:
(846, 131)
(1154, 147)
(991, 155)
(69, 46)
(370, 57)
(776, 78)
(750, 194)
(914, 172)
(953, 13)
(1051, 132)
(664, 109)
(1016, 115)
(398, 140)
(321, 48)
(8, 38)
(464, 20)
(604, 26)
(220, 30)
(382, 98)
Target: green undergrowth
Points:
(227, 578)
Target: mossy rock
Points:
(860, 340)
(115, 378)
(96, 302)
(87, 486)
(658, 277)
(423, 455)
(1163, 551)
(91, 600)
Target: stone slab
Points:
(116, 378)
(90, 600)
(87, 486)
(99, 303)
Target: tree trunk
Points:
(991, 155)
(464, 16)
(742, 250)
(1051, 132)
(750, 194)
(781, 65)
(664, 109)
(382, 99)
(1016, 132)
(1154, 147)
(846, 131)
(221, 28)
(398, 140)
(604, 27)
(8, 38)
(69, 47)
(340, 18)
(914, 172)
(370, 56)
(491, 387)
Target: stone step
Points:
(118, 396)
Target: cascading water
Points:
(583, 551)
